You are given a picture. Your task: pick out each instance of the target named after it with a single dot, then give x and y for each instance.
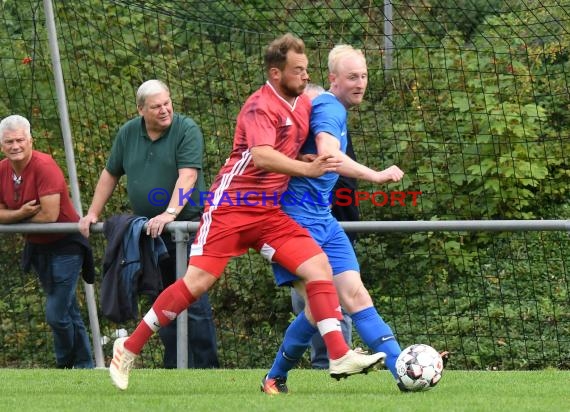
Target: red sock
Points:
(172, 301)
(323, 302)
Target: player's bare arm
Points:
(327, 143)
(269, 159)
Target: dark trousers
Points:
(202, 342)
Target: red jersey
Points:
(265, 119)
(41, 177)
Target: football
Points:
(419, 368)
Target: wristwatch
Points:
(172, 211)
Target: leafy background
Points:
(474, 108)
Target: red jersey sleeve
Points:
(261, 129)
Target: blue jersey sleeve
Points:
(329, 116)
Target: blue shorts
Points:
(331, 237)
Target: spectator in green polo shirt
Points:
(160, 152)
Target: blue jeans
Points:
(319, 354)
(202, 341)
(58, 275)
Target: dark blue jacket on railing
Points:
(130, 266)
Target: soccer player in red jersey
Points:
(244, 213)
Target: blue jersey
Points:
(311, 197)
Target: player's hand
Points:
(85, 223)
(306, 157)
(391, 174)
(321, 165)
(156, 225)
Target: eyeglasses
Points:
(17, 186)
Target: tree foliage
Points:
(474, 110)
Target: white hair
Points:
(313, 90)
(15, 122)
(150, 88)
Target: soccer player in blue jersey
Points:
(308, 204)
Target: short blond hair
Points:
(339, 52)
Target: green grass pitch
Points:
(238, 390)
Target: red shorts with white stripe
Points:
(230, 231)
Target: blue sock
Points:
(296, 341)
(377, 335)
